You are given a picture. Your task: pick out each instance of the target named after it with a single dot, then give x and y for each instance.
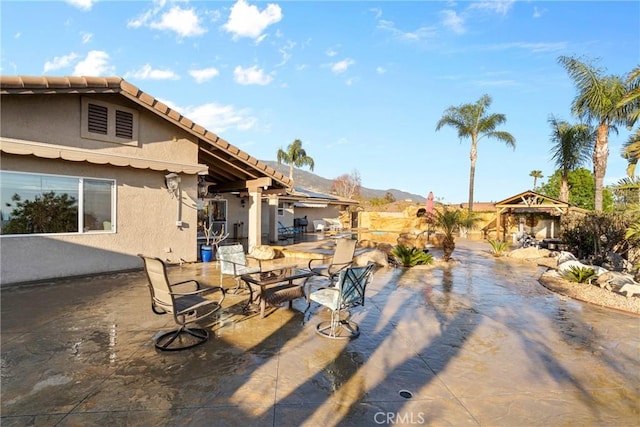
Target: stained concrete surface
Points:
(479, 342)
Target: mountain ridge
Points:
(313, 182)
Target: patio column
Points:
(273, 218)
(254, 187)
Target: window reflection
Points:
(36, 204)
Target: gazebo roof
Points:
(531, 199)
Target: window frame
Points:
(80, 203)
(112, 110)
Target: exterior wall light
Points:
(203, 189)
(173, 183)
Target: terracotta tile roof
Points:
(243, 162)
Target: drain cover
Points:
(406, 394)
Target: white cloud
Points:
(285, 51)
(96, 63)
(342, 66)
(218, 118)
(86, 37)
(148, 73)
(331, 53)
(184, 22)
(419, 34)
(537, 13)
(247, 21)
(377, 12)
(381, 70)
(82, 4)
(60, 62)
(495, 83)
(453, 21)
(531, 46)
(251, 76)
(17, 35)
(204, 74)
(500, 7)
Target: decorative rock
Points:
(615, 262)
(630, 289)
(566, 266)
(263, 252)
(566, 256)
(376, 256)
(614, 280)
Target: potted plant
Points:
(206, 250)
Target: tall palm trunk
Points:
(564, 186)
(600, 156)
(472, 173)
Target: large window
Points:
(43, 204)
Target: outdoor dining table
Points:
(276, 286)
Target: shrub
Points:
(498, 247)
(593, 235)
(409, 256)
(579, 274)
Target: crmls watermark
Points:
(404, 418)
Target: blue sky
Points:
(361, 84)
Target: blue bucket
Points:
(205, 253)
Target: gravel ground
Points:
(585, 292)
(592, 294)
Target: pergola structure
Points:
(530, 202)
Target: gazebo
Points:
(535, 213)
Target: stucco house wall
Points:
(146, 214)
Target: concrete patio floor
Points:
(479, 342)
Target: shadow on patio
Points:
(465, 340)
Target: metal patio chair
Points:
(186, 306)
(346, 294)
(341, 259)
(234, 262)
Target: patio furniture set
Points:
(340, 287)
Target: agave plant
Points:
(579, 274)
(498, 247)
(409, 256)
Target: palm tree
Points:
(294, 156)
(535, 174)
(572, 146)
(597, 100)
(473, 121)
(631, 152)
(631, 148)
(449, 220)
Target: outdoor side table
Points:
(276, 286)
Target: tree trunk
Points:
(291, 172)
(600, 156)
(564, 188)
(448, 245)
(472, 173)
